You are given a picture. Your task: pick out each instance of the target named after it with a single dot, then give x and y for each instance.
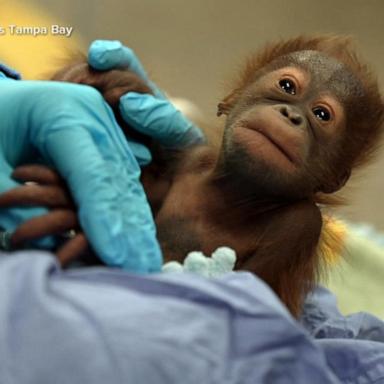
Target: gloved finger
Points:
(72, 249)
(38, 195)
(140, 151)
(108, 54)
(54, 222)
(38, 173)
(111, 54)
(160, 120)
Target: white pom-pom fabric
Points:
(221, 261)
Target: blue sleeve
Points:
(108, 326)
(8, 73)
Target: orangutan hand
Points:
(47, 189)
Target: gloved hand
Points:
(46, 188)
(153, 114)
(73, 129)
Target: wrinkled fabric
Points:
(353, 345)
(98, 325)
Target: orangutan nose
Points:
(290, 113)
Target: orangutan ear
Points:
(225, 106)
(222, 109)
(331, 187)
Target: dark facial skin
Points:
(284, 130)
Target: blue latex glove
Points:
(153, 115)
(75, 130)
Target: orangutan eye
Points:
(288, 86)
(322, 113)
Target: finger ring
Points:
(70, 234)
(5, 240)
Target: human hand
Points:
(75, 131)
(44, 187)
(152, 115)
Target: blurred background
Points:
(193, 48)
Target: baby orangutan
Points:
(304, 113)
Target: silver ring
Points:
(5, 240)
(70, 234)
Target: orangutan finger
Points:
(48, 196)
(38, 173)
(54, 222)
(72, 249)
